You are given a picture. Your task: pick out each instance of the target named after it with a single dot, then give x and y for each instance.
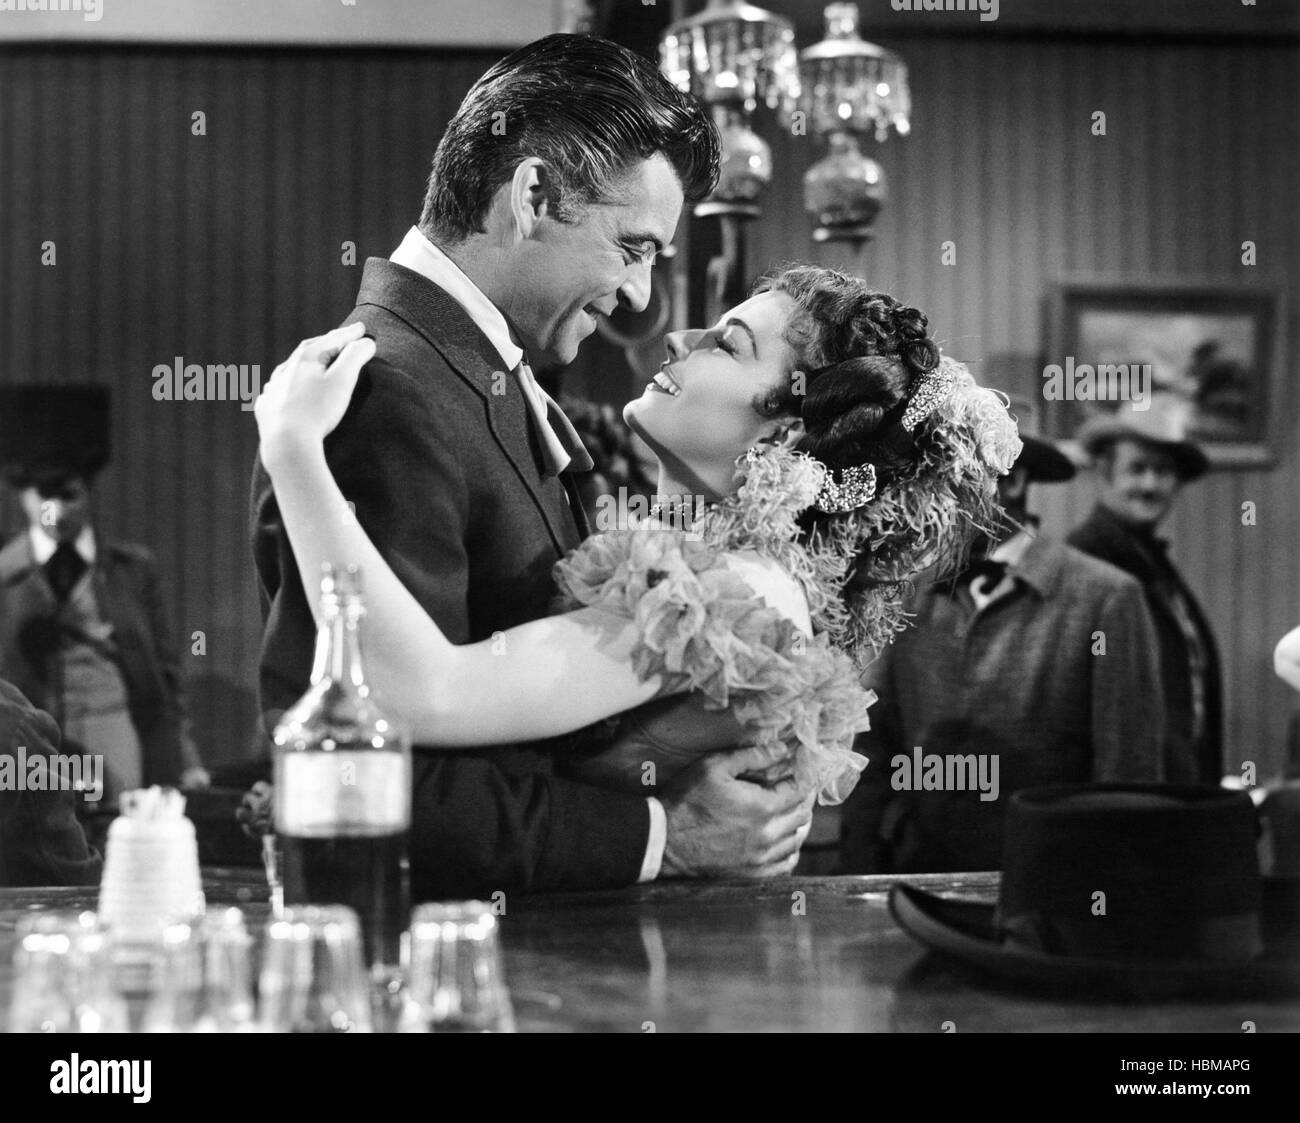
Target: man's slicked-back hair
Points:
(588, 108)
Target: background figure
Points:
(1038, 660)
(82, 629)
(1143, 459)
(41, 842)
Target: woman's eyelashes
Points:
(722, 343)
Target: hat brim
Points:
(1189, 461)
(1044, 462)
(964, 931)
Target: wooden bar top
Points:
(798, 954)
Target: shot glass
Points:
(313, 976)
(63, 977)
(204, 980)
(455, 983)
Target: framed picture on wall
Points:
(1215, 347)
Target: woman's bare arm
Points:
(1286, 659)
(540, 679)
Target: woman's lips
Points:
(664, 383)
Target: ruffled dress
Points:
(737, 671)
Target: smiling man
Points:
(1143, 459)
(559, 179)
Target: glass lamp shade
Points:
(849, 84)
(733, 54)
(844, 191)
(746, 161)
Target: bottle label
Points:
(359, 793)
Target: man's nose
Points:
(634, 293)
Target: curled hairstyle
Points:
(863, 354)
(588, 109)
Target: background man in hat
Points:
(1037, 655)
(82, 629)
(1143, 459)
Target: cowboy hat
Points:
(1134, 890)
(1044, 462)
(1165, 423)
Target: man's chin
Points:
(1145, 514)
(564, 349)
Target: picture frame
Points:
(1216, 346)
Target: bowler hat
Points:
(53, 430)
(1165, 423)
(1134, 890)
(1044, 462)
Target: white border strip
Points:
(322, 23)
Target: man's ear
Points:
(529, 196)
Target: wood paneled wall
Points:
(1201, 153)
(226, 248)
(220, 248)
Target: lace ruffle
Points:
(702, 628)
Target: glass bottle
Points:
(343, 786)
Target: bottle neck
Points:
(338, 645)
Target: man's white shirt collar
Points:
(421, 256)
(1009, 553)
(43, 546)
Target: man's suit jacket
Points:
(125, 582)
(444, 466)
(1023, 678)
(41, 842)
(1104, 535)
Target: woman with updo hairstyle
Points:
(863, 357)
(816, 452)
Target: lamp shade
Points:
(733, 54)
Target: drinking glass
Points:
(313, 977)
(204, 981)
(455, 983)
(63, 978)
(173, 988)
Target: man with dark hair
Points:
(557, 182)
(1143, 459)
(1035, 666)
(587, 112)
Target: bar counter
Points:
(798, 954)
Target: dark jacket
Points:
(1027, 679)
(125, 581)
(41, 842)
(1104, 535)
(447, 477)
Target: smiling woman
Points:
(749, 621)
(698, 413)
